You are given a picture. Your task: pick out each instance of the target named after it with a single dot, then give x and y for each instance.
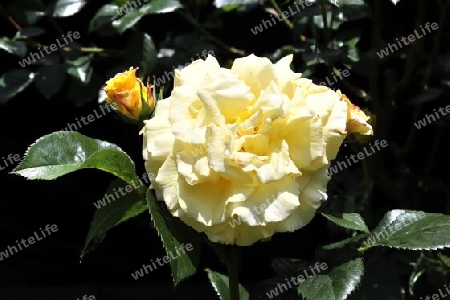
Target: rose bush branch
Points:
(248, 120)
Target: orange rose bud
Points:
(356, 118)
(129, 95)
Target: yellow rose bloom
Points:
(127, 92)
(243, 153)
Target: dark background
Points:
(51, 269)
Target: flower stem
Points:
(9, 18)
(280, 12)
(233, 273)
(326, 28)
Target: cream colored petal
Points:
(205, 202)
(236, 173)
(158, 137)
(187, 132)
(218, 233)
(241, 235)
(312, 194)
(248, 235)
(194, 74)
(202, 169)
(249, 125)
(272, 202)
(194, 167)
(285, 76)
(298, 107)
(315, 190)
(210, 114)
(222, 161)
(249, 161)
(183, 101)
(166, 182)
(278, 166)
(217, 142)
(272, 103)
(231, 94)
(334, 131)
(321, 101)
(256, 72)
(161, 144)
(305, 140)
(144, 144)
(152, 166)
(257, 144)
(185, 165)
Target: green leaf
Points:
(413, 230)
(336, 285)
(340, 244)
(222, 3)
(105, 15)
(14, 47)
(350, 2)
(14, 82)
(66, 8)
(444, 259)
(413, 278)
(64, 152)
(50, 79)
(127, 21)
(355, 12)
(27, 12)
(173, 233)
(144, 52)
(161, 6)
(348, 40)
(319, 20)
(348, 220)
(29, 32)
(318, 287)
(220, 284)
(119, 2)
(114, 209)
(81, 68)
